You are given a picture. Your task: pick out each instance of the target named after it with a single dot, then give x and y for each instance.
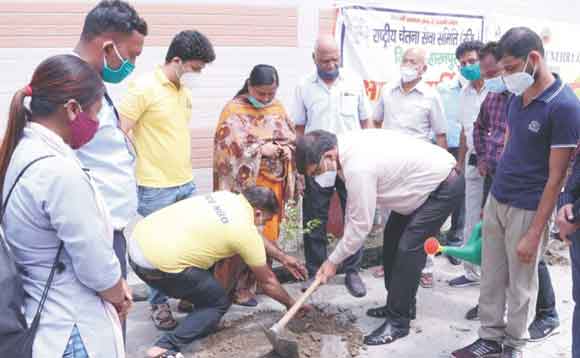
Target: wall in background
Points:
(277, 32)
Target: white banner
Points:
(374, 39)
(560, 43)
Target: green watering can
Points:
(470, 252)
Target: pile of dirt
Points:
(245, 337)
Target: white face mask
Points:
(518, 83)
(409, 74)
(190, 79)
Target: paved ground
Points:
(439, 327)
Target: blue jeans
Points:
(75, 347)
(153, 199)
(546, 303)
(575, 256)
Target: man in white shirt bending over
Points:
(415, 179)
(411, 106)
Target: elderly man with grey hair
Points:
(334, 100)
(410, 105)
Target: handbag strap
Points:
(56, 264)
(16, 182)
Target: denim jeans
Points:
(546, 304)
(575, 257)
(315, 206)
(153, 199)
(75, 347)
(197, 286)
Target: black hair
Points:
(519, 42)
(260, 75)
(490, 48)
(190, 45)
(311, 147)
(55, 81)
(468, 46)
(261, 198)
(112, 16)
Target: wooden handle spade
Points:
(297, 305)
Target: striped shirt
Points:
(489, 130)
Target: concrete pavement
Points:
(438, 329)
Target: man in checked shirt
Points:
(488, 140)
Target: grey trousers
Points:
(473, 204)
(505, 280)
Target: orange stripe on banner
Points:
(55, 25)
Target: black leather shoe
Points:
(473, 314)
(381, 312)
(378, 312)
(355, 284)
(385, 334)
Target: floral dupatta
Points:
(240, 134)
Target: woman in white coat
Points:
(55, 202)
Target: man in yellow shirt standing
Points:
(156, 110)
(175, 248)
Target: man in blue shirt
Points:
(112, 39)
(543, 129)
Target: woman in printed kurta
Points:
(254, 145)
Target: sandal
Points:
(184, 306)
(377, 312)
(252, 302)
(162, 317)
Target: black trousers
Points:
(196, 286)
(315, 206)
(546, 303)
(120, 248)
(403, 253)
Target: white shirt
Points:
(111, 162)
(418, 112)
(338, 109)
(470, 103)
(387, 169)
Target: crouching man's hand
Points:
(295, 267)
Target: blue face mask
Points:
(257, 104)
(328, 75)
(115, 76)
(495, 85)
(471, 72)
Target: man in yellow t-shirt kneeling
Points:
(174, 249)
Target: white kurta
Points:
(387, 169)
